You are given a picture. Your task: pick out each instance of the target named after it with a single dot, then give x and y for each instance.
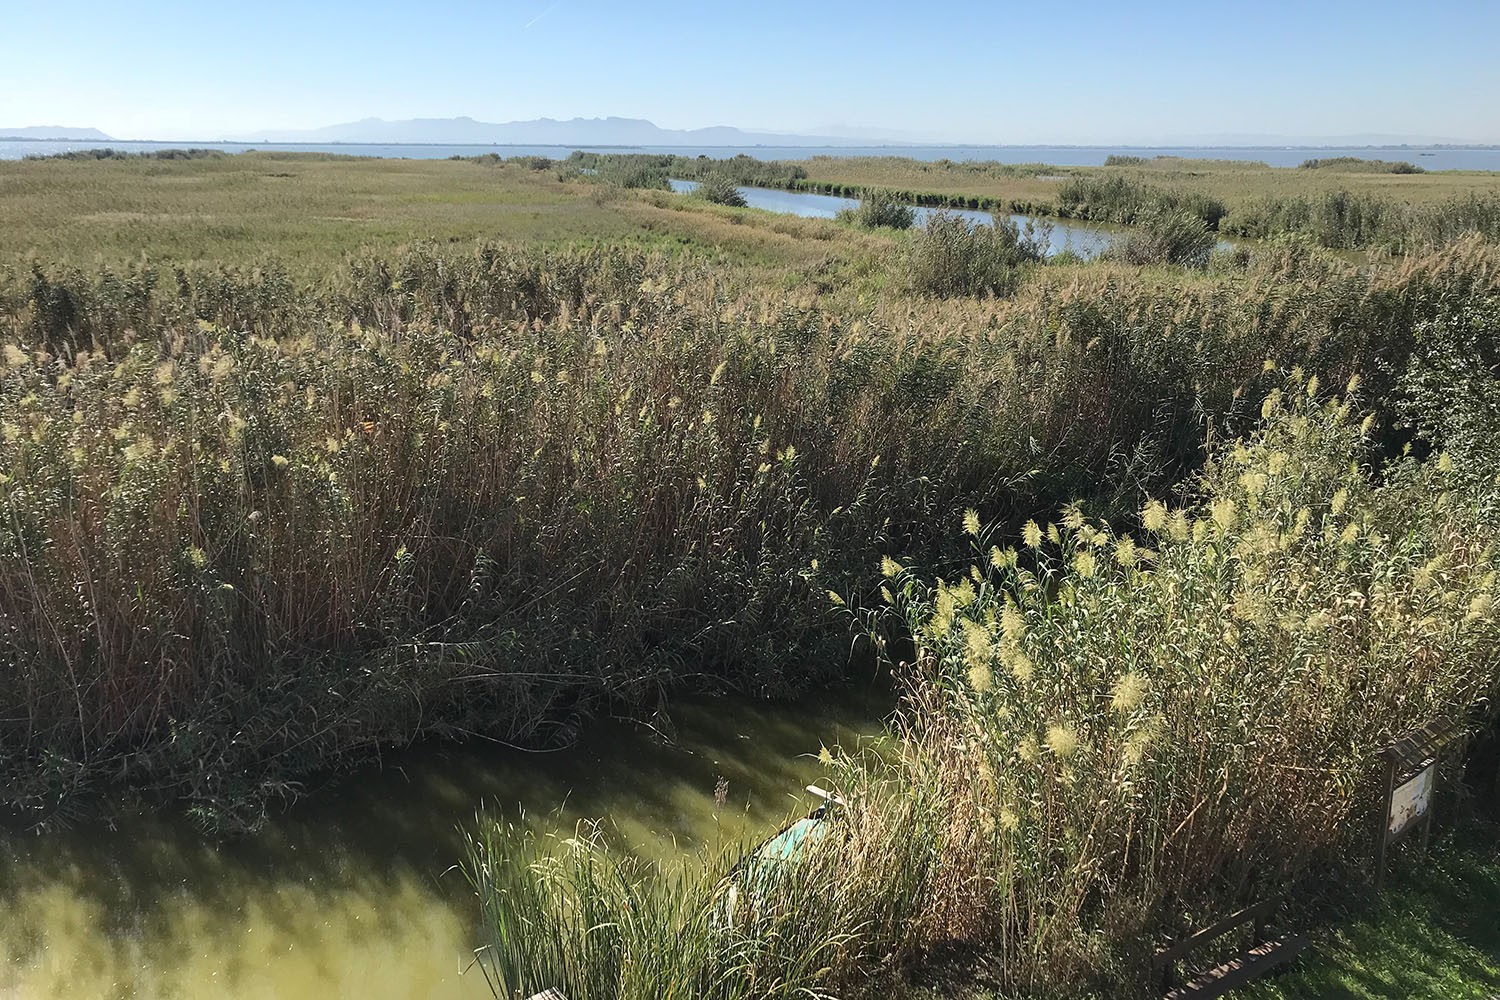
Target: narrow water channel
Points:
(352, 893)
(1086, 241)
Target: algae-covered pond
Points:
(353, 892)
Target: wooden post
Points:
(1385, 823)
(1427, 819)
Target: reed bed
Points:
(1141, 731)
(579, 915)
(1343, 220)
(254, 530)
(1109, 737)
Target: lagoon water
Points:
(1429, 157)
(352, 893)
(1084, 240)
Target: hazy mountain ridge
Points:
(55, 132)
(618, 131)
(536, 132)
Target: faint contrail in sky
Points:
(550, 8)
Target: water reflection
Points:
(1085, 241)
(352, 893)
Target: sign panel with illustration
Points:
(1410, 800)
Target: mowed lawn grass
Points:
(1434, 934)
(310, 211)
(1232, 181)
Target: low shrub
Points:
(879, 210)
(720, 189)
(1162, 236)
(952, 256)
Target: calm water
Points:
(351, 894)
(1084, 240)
(1432, 158)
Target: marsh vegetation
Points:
(1156, 546)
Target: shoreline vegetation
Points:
(1161, 547)
(1122, 192)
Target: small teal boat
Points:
(789, 842)
(782, 847)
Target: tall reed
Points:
(1108, 739)
(1134, 733)
(253, 529)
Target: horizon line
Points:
(874, 144)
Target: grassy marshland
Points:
(257, 527)
(1343, 203)
(306, 213)
(263, 518)
(1230, 181)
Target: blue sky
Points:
(969, 72)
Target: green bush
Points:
(720, 189)
(1167, 237)
(952, 256)
(1450, 389)
(877, 210)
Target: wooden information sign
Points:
(1411, 776)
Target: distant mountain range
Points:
(55, 132)
(539, 132)
(582, 132)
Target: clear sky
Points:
(1031, 72)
